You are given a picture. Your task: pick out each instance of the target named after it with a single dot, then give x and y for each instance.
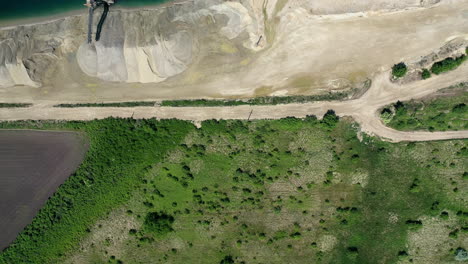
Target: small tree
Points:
(461, 254)
(227, 260)
(330, 119)
(158, 223)
(426, 74)
(460, 108)
(399, 70)
(386, 115)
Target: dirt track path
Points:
(364, 110)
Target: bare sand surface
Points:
(365, 110)
(307, 53)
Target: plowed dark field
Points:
(33, 164)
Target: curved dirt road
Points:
(364, 109)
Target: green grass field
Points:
(436, 114)
(283, 191)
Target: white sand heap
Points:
(149, 63)
(148, 53)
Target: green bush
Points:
(330, 119)
(158, 223)
(122, 104)
(227, 260)
(426, 74)
(447, 65)
(436, 114)
(461, 254)
(266, 100)
(386, 115)
(414, 224)
(460, 108)
(399, 70)
(14, 105)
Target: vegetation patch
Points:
(399, 70)
(158, 223)
(447, 64)
(436, 114)
(425, 74)
(121, 104)
(14, 105)
(265, 191)
(267, 100)
(121, 152)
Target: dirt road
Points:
(364, 109)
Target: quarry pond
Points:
(33, 164)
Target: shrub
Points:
(447, 64)
(266, 100)
(227, 260)
(461, 254)
(426, 74)
(121, 104)
(399, 70)
(413, 224)
(386, 115)
(460, 108)
(158, 223)
(352, 252)
(330, 119)
(402, 255)
(14, 105)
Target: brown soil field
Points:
(33, 164)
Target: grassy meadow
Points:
(271, 191)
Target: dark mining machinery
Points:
(93, 5)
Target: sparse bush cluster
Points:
(120, 104)
(447, 64)
(14, 105)
(440, 114)
(399, 70)
(267, 100)
(221, 192)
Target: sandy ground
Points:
(364, 109)
(310, 53)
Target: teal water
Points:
(18, 9)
